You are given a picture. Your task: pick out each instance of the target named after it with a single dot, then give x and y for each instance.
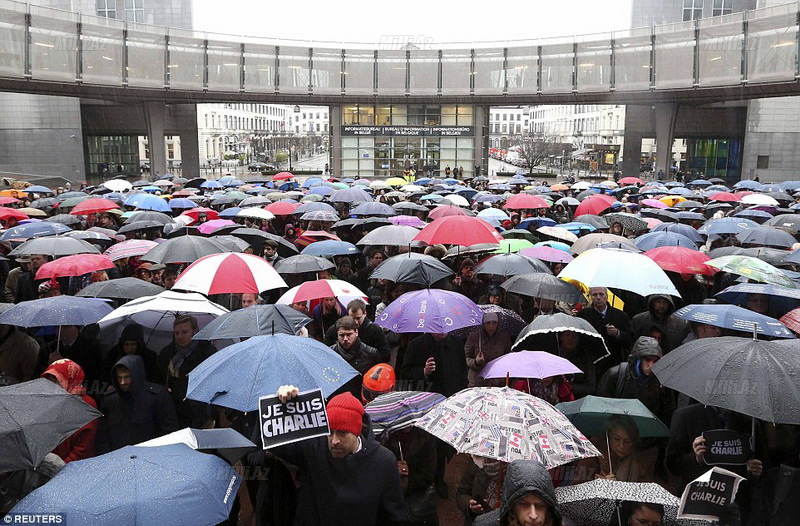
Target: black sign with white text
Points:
(706, 497)
(726, 447)
(300, 418)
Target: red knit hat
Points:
(344, 413)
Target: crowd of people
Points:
(407, 476)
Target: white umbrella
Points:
(118, 185)
(410, 188)
(582, 185)
(455, 199)
(759, 199)
(493, 213)
(389, 235)
(256, 213)
(603, 267)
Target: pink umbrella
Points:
(528, 364)
(76, 265)
(215, 224)
(652, 222)
(654, 203)
(525, 201)
(229, 272)
(458, 230)
(130, 248)
(446, 211)
(545, 253)
(407, 221)
(595, 204)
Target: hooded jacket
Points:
(143, 413)
(522, 477)
(135, 333)
(673, 328)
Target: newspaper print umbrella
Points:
(507, 424)
(400, 409)
(430, 311)
(628, 221)
(750, 267)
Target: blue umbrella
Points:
(148, 202)
(330, 247)
(766, 236)
(489, 198)
(735, 318)
(674, 184)
(151, 189)
(311, 181)
(421, 181)
(679, 228)
(753, 214)
(537, 222)
(314, 207)
(182, 202)
(726, 225)
(210, 184)
(321, 190)
(431, 311)
(748, 184)
(29, 230)
(467, 193)
(230, 212)
(782, 300)
(431, 197)
(578, 228)
(233, 183)
(790, 186)
(699, 182)
(663, 239)
(558, 245)
(238, 375)
(131, 486)
(58, 310)
(38, 189)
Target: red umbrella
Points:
(446, 211)
(312, 236)
(322, 288)
(458, 230)
(9, 213)
(194, 213)
(725, 197)
(130, 248)
(595, 204)
(96, 205)
(792, 320)
(229, 273)
(282, 175)
(8, 201)
(680, 259)
(76, 265)
(525, 201)
(282, 208)
(630, 180)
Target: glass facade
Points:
(385, 140)
(715, 158)
(119, 154)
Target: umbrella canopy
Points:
(257, 237)
(76, 265)
(653, 240)
(591, 413)
(509, 322)
(55, 246)
(590, 241)
(753, 377)
(184, 249)
(411, 267)
(557, 232)
(510, 265)
(681, 260)
(303, 263)
(142, 201)
(120, 288)
(430, 311)
(32, 230)
(64, 219)
(543, 285)
(372, 208)
(600, 267)
(528, 364)
(525, 201)
(36, 417)
(506, 424)
(238, 375)
(57, 310)
(197, 486)
(94, 205)
(130, 248)
(447, 210)
(595, 204)
(766, 236)
(400, 409)
(781, 299)
(322, 288)
(548, 254)
(350, 195)
(224, 442)
(792, 320)
(541, 334)
(735, 318)
(149, 215)
(230, 272)
(749, 267)
(391, 235)
(628, 221)
(331, 247)
(256, 320)
(458, 230)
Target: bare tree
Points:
(535, 148)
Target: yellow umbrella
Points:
(672, 200)
(613, 300)
(33, 212)
(396, 181)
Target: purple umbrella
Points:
(528, 364)
(545, 253)
(509, 321)
(430, 310)
(408, 221)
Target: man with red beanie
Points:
(346, 478)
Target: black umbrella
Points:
(593, 220)
(180, 231)
(139, 225)
(36, 417)
(544, 285)
(232, 242)
(766, 236)
(412, 268)
(407, 206)
(257, 320)
(184, 249)
(480, 248)
(64, 219)
(55, 246)
(511, 265)
(257, 237)
(301, 263)
(754, 377)
(45, 202)
(773, 256)
(664, 215)
(150, 215)
(223, 442)
(120, 289)
(789, 222)
(542, 335)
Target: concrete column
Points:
(631, 154)
(155, 114)
(190, 147)
(335, 123)
(666, 116)
(480, 146)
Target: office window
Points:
(722, 7)
(106, 8)
(762, 162)
(692, 9)
(134, 10)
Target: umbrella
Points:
(303, 263)
(55, 246)
(64, 219)
(509, 322)
(628, 221)
(76, 265)
(142, 201)
(213, 225)
(46, 202)
(541, 334)
(429, 311)
(322, 288)
(598, 501)
(543, 285)
(97, 238)
(405, 220)
(590, 414)
(681, 260)
(600, 267)
(198, 487)
(320, 215)
(392, 235)
(781, 298)
(590, 241)
(512, 246)
(525, 201)
(95, 205)
(36, 417)
(224, 442)
(510, 265)
(544, 253)
(256, 320)
(233, 243)
(726, 225)
(57, 310)
(350, 195)
(595, 204)
(184, 249)
(558, 232)
(735, 318)
(447, 210)
(458, 230)
(411, 267)
(331, 247)
(493, 213)
(653, 203)
(31, 230)
(751, 268)
(149, 215)
(506, 424)
(789, 222)
(194, 213)
(130, 248)
(653, 240)
(372, 208)
(230, 272)
(792, 320)
(536, 222)
(518, 233)
(120, 288)
(766, 236)
(400, 409)
(238, 375)
(257, 237)
(753, 377)
(528, 364)
(139, 225)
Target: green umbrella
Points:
(340, 186)
(276, 196)
(519, 233)
(311, 198)
(752, 268)
(72, 202)
(591, 413)
(510, 246)
(236, 194)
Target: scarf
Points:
(181, 353)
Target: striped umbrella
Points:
(130, 248)
(229, 272)
(400, 409)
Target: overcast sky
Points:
(428, 21)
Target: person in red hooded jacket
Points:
(80, 444)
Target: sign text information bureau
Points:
(409, 131)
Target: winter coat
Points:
(19, 354)
(369, 333)
(491, 347)
(80, 444)
(450, 375)
(523, 477)
(190, 413)
(673, 328)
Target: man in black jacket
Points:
(613, 324)
(135, 410)
(368, 332)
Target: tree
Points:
(536, 148)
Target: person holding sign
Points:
(346, 478)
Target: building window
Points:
(722, 7)
(762, 162)
(134, 10)
(692, 9)
(106, 8)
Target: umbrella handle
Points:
(610, 467)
